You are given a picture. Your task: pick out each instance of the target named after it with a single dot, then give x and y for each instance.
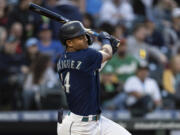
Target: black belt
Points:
(86, 118)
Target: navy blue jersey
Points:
(78, 72)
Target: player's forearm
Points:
(106, 52)
(110, 45)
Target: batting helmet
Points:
(71, 30)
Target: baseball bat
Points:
(52, 15)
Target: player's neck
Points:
(69, 49)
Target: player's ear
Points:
(69, 43)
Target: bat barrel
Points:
(43, 11)
(46, 12)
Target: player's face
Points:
(80, 42)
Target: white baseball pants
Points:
(72, 125)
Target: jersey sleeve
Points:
(93, 60)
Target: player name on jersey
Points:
(62, 64)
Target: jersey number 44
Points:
(65, 82)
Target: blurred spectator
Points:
(113, 11)
(93, 7)
(162, 12)
(154, 36)
(31, 51)
(21, 14)
(36, 20)
(88, 21)
(172, 34)
(169, 75)
(139, 49)
(16, 30)
(69, 9)
(143, 9)
(11, 70)
(12, 2)
(39, 2)
(3, 37)
(178, 2)
(178, 50)
(51, 4)
(81, 4)
(3, 13)
(47, 45)
(139, 8)
(120, 31)
(177, 95)
(143, 92)
(40, 77)
(108, 27)
(122, 64)
(171, 82)
(109, 84)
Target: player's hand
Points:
(104, 36)
(114, 43)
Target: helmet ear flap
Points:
(90, 39)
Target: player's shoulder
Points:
(90, 52)
(82, 54)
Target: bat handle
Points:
(95, 33)
(92, 32)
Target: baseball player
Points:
(78, 71)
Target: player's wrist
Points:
(108, 47)
(114, 44)
(106, 42)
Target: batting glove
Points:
(103, 36)
(114, 43)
